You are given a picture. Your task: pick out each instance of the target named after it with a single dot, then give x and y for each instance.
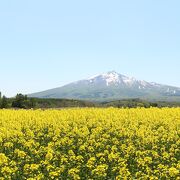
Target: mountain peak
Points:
(109, 73)
(110, 77)
(111, 85)
(112, 72)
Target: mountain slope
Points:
(112, 86)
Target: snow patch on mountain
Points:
(112, 78)
(109, 78)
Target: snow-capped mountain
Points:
(112, 78)
(112, 86)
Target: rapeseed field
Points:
(90, 143)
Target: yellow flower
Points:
(49, 156)
(8, 144)
(6, 171)
(54, 174)
(3, 159)
(91, 162)
(100, 170)
(34, 167)
(173, 172)
(73, 173)
(20, 154)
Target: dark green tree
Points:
(19, 101)
(4, 102)
(22, 101)
(32, 102)
(0, 99)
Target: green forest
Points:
(24, 102)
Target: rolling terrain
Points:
(112, 86)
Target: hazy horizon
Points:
(46, 44)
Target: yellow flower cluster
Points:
(90, 143)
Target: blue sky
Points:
(46, 44)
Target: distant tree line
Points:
(21, 101)
(132, 103)
(3, 101)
